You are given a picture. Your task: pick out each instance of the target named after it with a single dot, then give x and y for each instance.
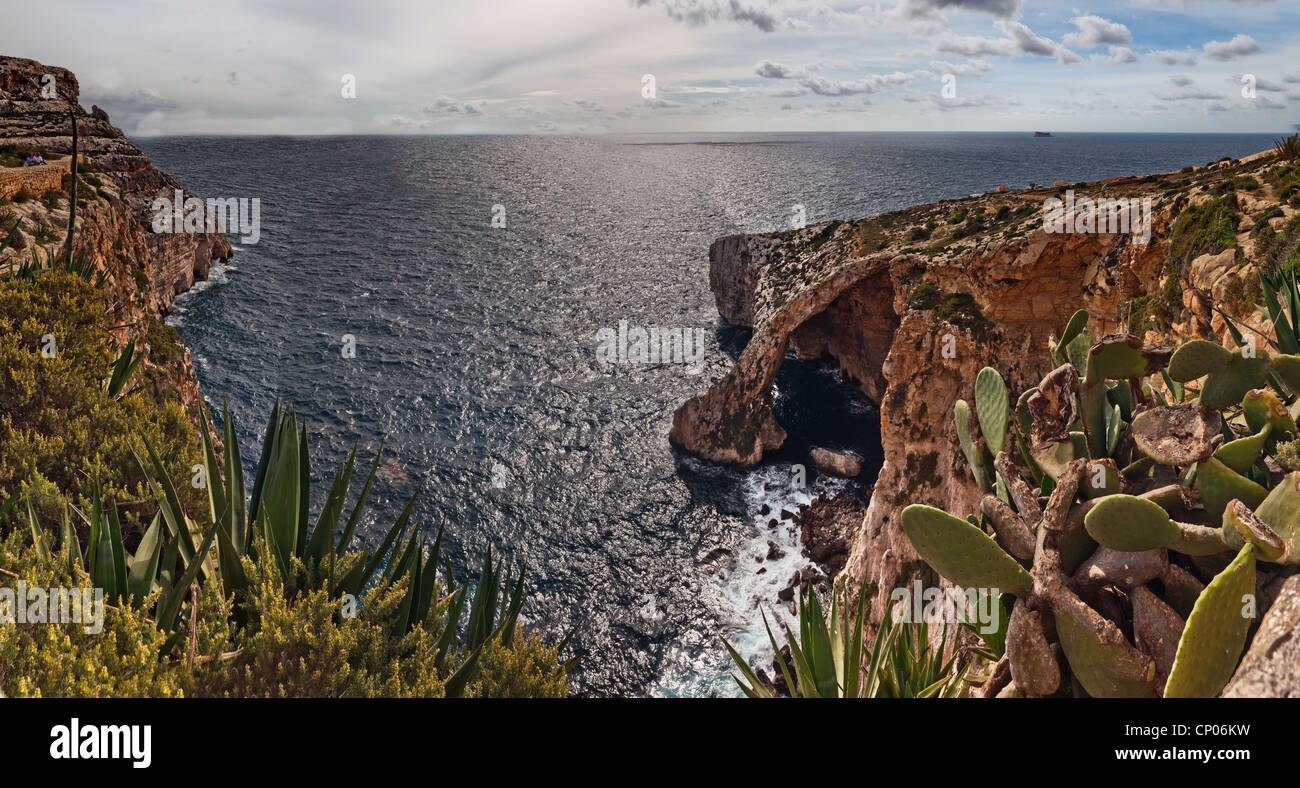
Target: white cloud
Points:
(1239, 46)
(1173, 57)
(1095, 31)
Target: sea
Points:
(449, 295)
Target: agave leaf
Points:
(264, 462)
(304, 494)
(455, 686)
(171, 604)
(322, 536)
(39, 539)
(144, 567)
(116, 553)
(173, 513)
(817, 645)
(394, 533)
(1215, 633)
(359, 507)
(232, 571)
(755, 688)
(212, 473)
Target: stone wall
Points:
(34, 179)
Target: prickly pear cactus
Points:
(1116, 469)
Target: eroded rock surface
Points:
(912, 304)
(144, 270)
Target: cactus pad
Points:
(1242, 453)
(1102, 660)
(1175, 434)
(1281, 512)
(1228, 384)
(1033, 667)
(961, 417)
(1238, 516)
(1130, 524)
(1219, 484)
(1215, 632)
(992, 408)
(1262, 407)
(1196, 359)
(1120, 356)
(961, 552)
(1288, 371)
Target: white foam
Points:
(748, 592)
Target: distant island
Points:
(1042, 134)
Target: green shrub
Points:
(59, 428)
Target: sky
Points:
(163, 67)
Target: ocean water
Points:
(476, 347)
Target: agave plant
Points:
(1288, 148)
(175, 552)
(829, 660)
(1132, 557)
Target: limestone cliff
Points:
(913, 304)
(143, 270)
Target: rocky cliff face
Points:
(144, 270)
(913, 304)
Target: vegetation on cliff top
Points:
(202, 596)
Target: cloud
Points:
(702, 12)
(1117, 55)
(1173, 57)
(935, 101)
(1240, 45)
(810, 82)
(1020, 40)
(1190, 94)
(971, 68)
(1095, 31)
(973, 46)
(1181, 81)
(449, 106)
(933, 9)
(772, 70)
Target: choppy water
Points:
(476, 350)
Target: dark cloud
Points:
(702, 12)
